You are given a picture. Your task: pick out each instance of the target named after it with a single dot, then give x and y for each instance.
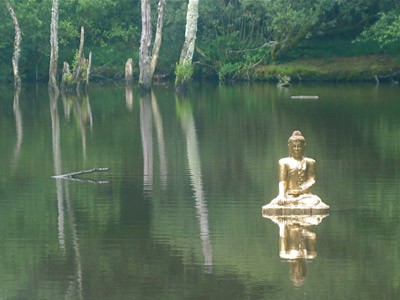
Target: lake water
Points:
(178, 213)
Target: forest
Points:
(233, 37)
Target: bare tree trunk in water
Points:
(77, 71)
(147, 63)
(145, 40)
(80, 53)
(184, 68)
(53, 47)
(17, 46)
(89, 66)
(158, 37)
(81, 73)
(129, 71)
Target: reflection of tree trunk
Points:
(63, 189)
(66, 105)
(53, 47)
(189, 129)
(160, 137)
(18, 126)
(82, 127)
(129, 97)
(75, 242)
(83, 112)
(147, 140)
(88, 111)
(55, 129)
(17, 46)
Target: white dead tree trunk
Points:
(190, 32)
(81, 72)
(77, 71)
(17, 46)
(129, 71)
(53, 47)
(147, 63)
(184, 68)
(144, 53)
(89, 66)
(158, 37)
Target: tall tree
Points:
(147, 63)
(17, 46)
(158, 37)
(144, 51)
(53, 47)
(184, 68)
(291, 28)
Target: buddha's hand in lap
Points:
(295, 193)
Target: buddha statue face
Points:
(296, 149)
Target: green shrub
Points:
(183, 73)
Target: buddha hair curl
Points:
(297, 136)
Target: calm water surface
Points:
(178, 214)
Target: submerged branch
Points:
(86, 180)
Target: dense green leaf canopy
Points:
(233, 35)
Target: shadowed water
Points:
(178, 214)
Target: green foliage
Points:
(232, 38)
(386, 31)
(183, 73)
(228, 70)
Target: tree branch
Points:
(75, 174)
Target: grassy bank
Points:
(360, 68)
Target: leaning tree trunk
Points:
(184, 68)
(144, 53)
(158, 37)
(17, 46)
(53, 47)
(280, 50)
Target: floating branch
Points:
(304, 97)
(75, 174)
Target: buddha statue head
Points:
(297, 145)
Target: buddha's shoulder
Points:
(285, 161)
(309, 160)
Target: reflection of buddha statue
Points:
(296, 178)
(297, 244)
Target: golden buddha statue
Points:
(296, 178)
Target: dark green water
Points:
(178, 215)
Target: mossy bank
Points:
(341, 69)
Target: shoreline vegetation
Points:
(370, 68)
(283, 41)
(367, 68)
